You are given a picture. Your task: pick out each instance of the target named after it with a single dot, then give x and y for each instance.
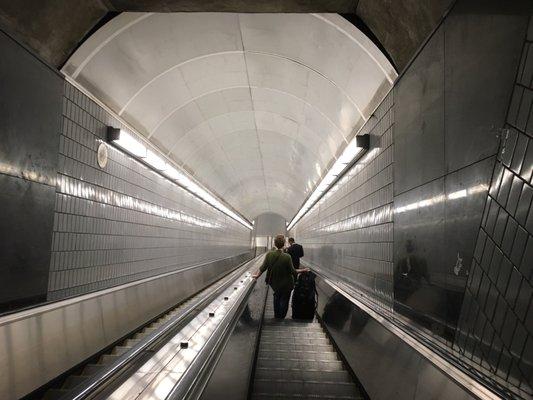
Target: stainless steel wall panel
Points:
(473, 42)
(30, 107)
(419, 118)
(41, 343)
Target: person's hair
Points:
(279, 241)
(291, 240)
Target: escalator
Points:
(178, 355)
(296, 360)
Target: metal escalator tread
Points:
(296, 360)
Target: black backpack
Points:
(304, 297)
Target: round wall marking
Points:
(102, 155)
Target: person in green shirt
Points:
(281, 276)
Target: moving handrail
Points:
(95, 384)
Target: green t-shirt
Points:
(282, 274)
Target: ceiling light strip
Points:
(171, 173)
(149, 156)
(350, 155)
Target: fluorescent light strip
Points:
(350, 154)
(135, 147)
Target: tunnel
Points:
(295, 199)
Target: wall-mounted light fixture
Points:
(350, 155)
(141, 152)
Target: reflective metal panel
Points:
(482, 47)
(386, 366)
(419, 118)
(30, 105)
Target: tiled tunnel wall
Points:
(124, 222)
(496, 325)
(349, 231)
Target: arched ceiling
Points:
(256, 106)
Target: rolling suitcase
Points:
(304, 300)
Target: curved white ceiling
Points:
(256, 106)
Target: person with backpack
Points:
(281, 276)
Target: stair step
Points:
(119, 350)
(131, 342)
(293, 341)
(274, 347)
(303, 375)
(290, 334)
(73, 380)
(91, 369)
(281, 396)
(54, 394)
(305, 388)
(298, 355)
(107, 359)
(145, 332)
(268, 363)
(298, 327)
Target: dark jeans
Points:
(281, 304)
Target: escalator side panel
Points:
(377, 355)
(233, 371)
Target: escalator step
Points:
(107, 359)
(131, 342)
(73, 380)
(303, 375)
(293, 328)
(300, 364)
(305, 388)
(298, 355)
(289, 334)
(54, 394)
(293, 341)
(91, 369)
(119, 350)
(274, 347)
(282, 396)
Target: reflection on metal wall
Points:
(496, 324)
(124, 222)
(349, 231)
(30, 105)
